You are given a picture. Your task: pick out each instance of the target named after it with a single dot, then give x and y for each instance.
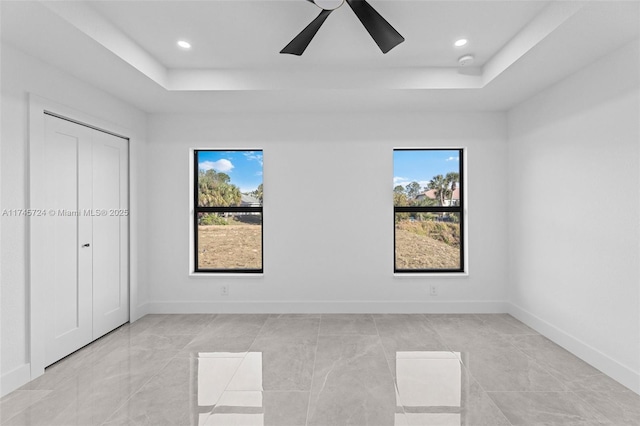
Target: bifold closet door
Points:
(110, 238)
(68, 269)
(86, 235)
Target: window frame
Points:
(231, 209)
(460, 209)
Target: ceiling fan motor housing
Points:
(328, 4)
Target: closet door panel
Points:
(69, 316)
(110, 233)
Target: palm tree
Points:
(258, 193)
(440, 185)
(214, 190)
(452, 179)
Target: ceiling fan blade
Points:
(302, 40)
(385, 36)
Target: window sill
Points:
(431, 274)
(226, 274)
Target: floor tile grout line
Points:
(530, 391)
(227, 386)
(542, 366)
(316, 351)
(568, 391)
(215, 316)
(19, 412)
(313, 373)
(559, 379)
(236, 370)
(470, 374)
(502, 320)
(146, 331)
(195, 336)
(487, 394)
(133, 393)
(386, 356)
(594, 407)
(71, 376)
(533, 360)
(68, 378)
(472, 377)
(204, 327)
(259, 332)
(442, 339)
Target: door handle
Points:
(86, 245)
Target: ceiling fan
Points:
(385, 36)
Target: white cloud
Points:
(453, 159)
(252, 155)
(221, 165)
(398, 180)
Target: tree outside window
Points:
(228, 195)
(428, 210)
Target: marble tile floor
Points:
(322, 370)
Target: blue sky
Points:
(243, 167)
(421, 165)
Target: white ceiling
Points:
(249, 34)
(128, 48)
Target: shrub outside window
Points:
(227, 216)
(428, 198)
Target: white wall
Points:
(328, 216)
(22, 74)
(574, 204)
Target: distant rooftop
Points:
(249, 200)
(432, 194)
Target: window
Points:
(227, 216)
(428, 199)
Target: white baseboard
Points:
(326, 307)
(587, 353)
(138, 312)
(15, 378)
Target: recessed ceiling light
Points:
(184, 44)
(461, 42)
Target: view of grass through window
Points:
(228, 211)
(427, 197)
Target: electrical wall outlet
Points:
(433, 290)
(224, 290)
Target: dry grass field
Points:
(233, 246)
(427, 245)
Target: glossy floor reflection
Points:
(326, 370)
